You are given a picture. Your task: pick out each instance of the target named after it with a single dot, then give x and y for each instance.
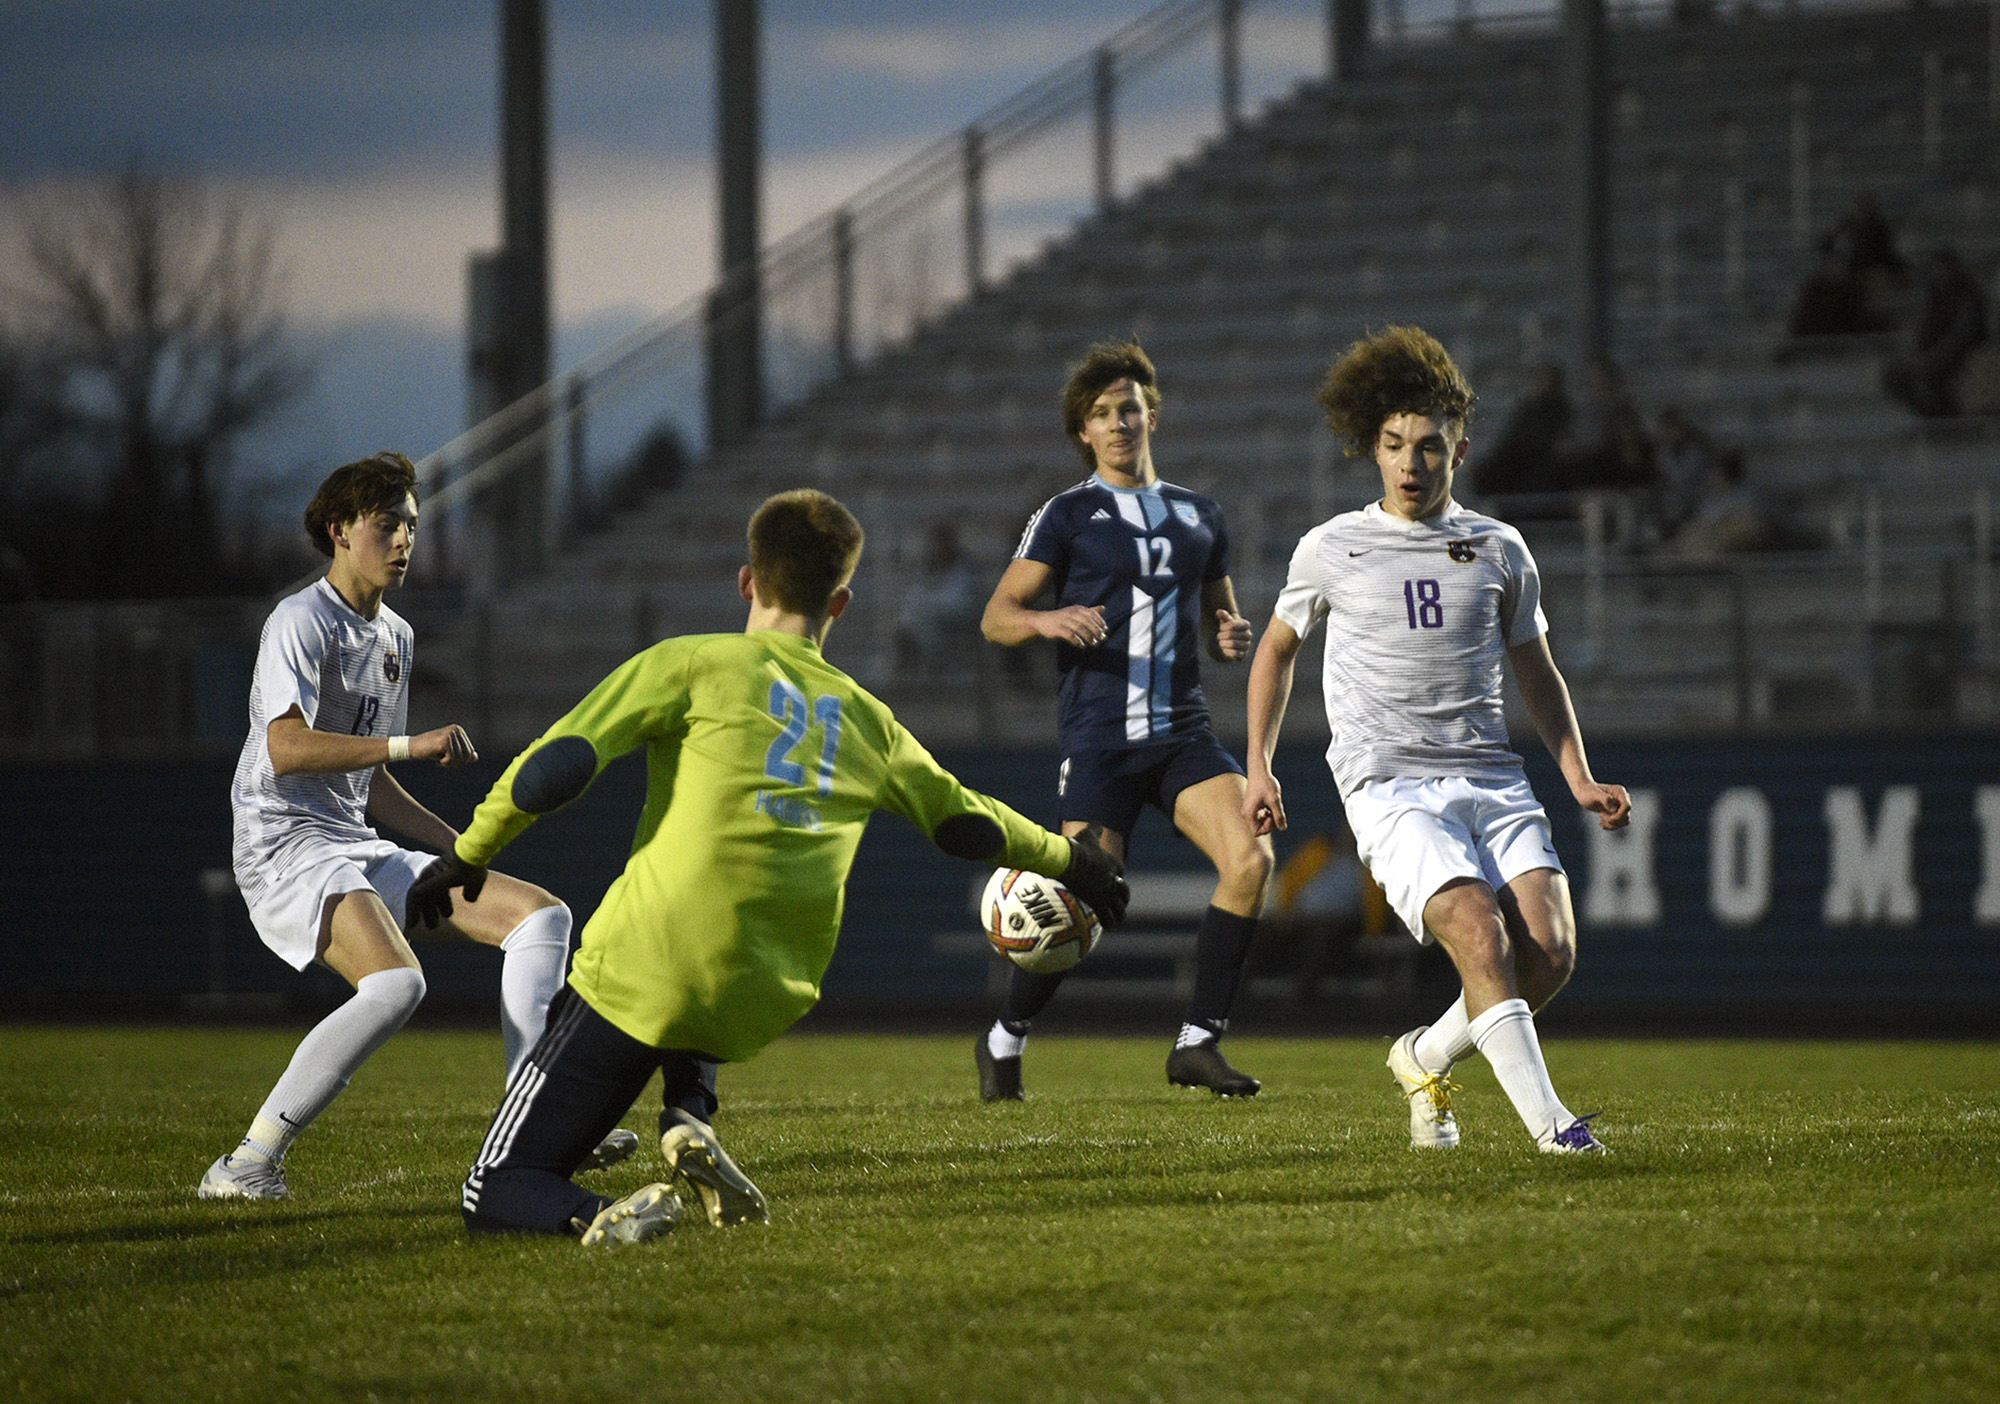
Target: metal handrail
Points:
(525, 428)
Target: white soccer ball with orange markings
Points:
(1036, 922)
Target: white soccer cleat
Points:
(614, 1149)
(643, 1214)
(1432, 1126)
(230, 1178)
(726, 1193)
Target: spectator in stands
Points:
(1948, 323)
(940, 609)
(1731, 516)
(1522, 459)
(657, 465)
(1687, 464)
(1859, 281)
(1607, 445)
(17, 577)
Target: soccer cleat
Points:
(1202, 1065)
(230, 1178)
(1432, 1126)
(999, 1078)
(1575, 1139)
(726, 1193)
(614, 1148)
(643, 1214)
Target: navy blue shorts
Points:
(1110, 787)
(582, 1077)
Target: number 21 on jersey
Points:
(789, 706)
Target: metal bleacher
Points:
(1425, 191)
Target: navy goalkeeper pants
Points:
(567, 1095)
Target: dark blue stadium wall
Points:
(1882, 882)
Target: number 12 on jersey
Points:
(1421, 599)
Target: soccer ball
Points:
(1036, 922)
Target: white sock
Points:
(1440, 1047)
(1506, 1035)
(1193, 1036)
(534, 958)
(1002, 1044)
(330, 1055)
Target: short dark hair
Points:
(375, 484)
(803, 546)
(1104, 365)
(1398, 370)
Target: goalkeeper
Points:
(764, 763)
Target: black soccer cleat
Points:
(1202, 1065)
(999, 1078)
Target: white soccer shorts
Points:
(1417, 835)
(287, 915)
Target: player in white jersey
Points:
(328, 706)
(1423, 602)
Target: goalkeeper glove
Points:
(1097, 877)
(429, 901)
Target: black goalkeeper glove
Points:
(1097, 877)
(429, 901)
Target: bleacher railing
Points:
(158, 678)
(861, 280)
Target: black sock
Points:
(1220, 946)
(1027, 995)
(687, 1082)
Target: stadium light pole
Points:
(508, 301)
(735, 321)
(1589, 179)
(1346, 38)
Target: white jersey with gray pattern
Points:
(345, 674)
(1419, 617)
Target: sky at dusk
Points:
(367, 133)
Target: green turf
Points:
(1780, 1221)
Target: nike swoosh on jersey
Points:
(1361, 553)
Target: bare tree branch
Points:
(158, 309)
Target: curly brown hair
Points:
(803, 546)
(1398, 370)
(375, 484)
(1103, 365)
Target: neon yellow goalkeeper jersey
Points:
(764, 763)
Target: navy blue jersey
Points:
(1144, 554)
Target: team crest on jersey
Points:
(392, 666)
(1187, 513)
(1460, 551)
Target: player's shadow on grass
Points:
(1050, 1177)
(241, 1248)
(240, 1222)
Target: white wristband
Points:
(399, 748)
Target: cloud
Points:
(931, 55)
(369, 132)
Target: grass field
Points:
(1780, 1221)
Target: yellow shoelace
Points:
(1440, 1089)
